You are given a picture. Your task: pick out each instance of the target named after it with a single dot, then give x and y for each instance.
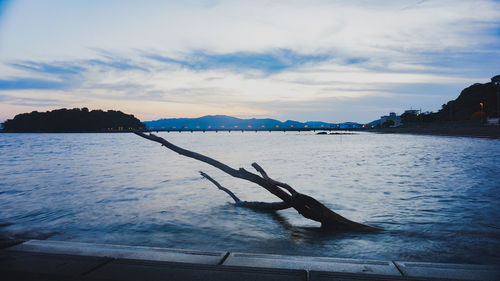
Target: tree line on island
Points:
(73, 120)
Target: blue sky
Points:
(303, 60)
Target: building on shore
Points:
(391, 117)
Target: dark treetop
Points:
(72, 120)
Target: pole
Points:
(482, 106)
(495, 81)
(497, 85)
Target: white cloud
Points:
(357, 27)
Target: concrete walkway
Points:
(54, 260)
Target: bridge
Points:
(259, 129)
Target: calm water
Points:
(437, 198)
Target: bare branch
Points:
(274, 206)
(248, 204)
(236, 199)
(260, 170)
(275, 182)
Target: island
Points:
(72, 120)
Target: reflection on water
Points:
(436, 198)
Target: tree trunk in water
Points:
(304, 204)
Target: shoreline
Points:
(446, 129)
(465, 129)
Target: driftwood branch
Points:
(241, 173)
(275, 182)
(274, 206)
(304, 204)
(235, 198)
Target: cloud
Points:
(239, 83)
(51, 68)
(27, 101)
(67, 75)
(115, 63)
(31, 84)
(266, 62)
(357, 28)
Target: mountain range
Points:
(229, 122)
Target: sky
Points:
(333, 61)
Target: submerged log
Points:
(304, 204)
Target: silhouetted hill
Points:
(72, 120)
(223, 121)
(468, 103)
(467, 106)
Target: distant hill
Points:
(226, 122)
(72, 120)
(375, 122)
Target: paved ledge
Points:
(149, 270)
(54, 260)
(314, 263)
(118, 251)
(450, 271)
(15, 265)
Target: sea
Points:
(436, 199)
